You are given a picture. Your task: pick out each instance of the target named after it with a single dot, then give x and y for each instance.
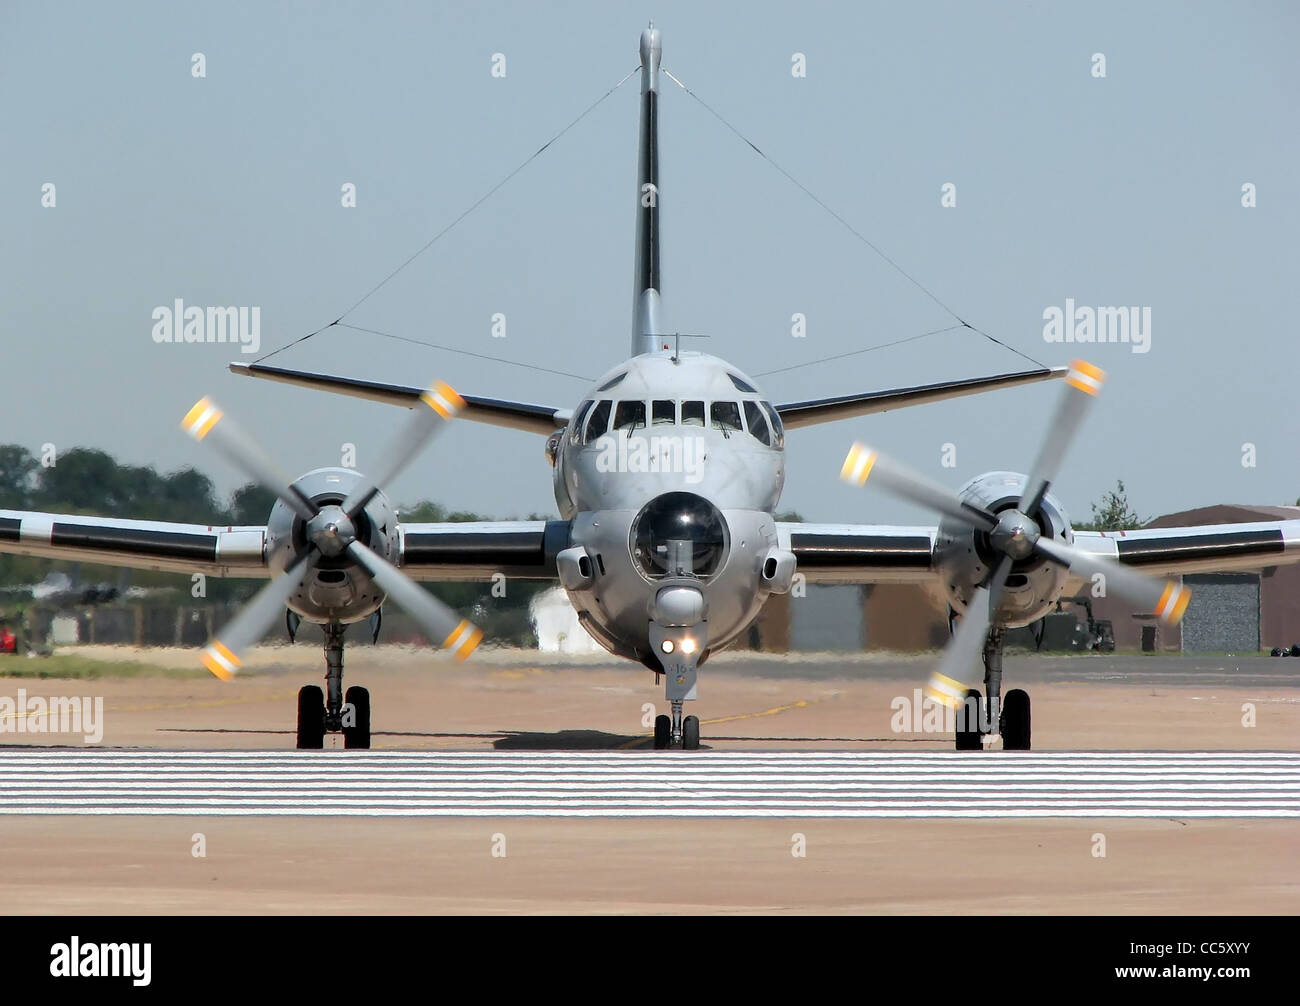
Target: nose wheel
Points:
(677, 731)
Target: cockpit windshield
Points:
(599, 421)
(778, 431)
(725, 416)
(629, 416)
(757, 424)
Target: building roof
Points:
(1225, 513)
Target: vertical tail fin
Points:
(647, 308)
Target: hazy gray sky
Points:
(226, 190)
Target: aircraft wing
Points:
(826, 410)
(445, 552)
(1208, 548)
(140, 544)
(541, 419)
(475, 550)
(882, 553)
(860, 553)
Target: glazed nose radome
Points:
(679, 534)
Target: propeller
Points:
(457, 634)
(205, 421)
(1014, 534)
(442, 405)
(330, 531)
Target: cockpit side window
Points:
(692, 413)
(757, 424)
(629, 416)
(778, 431)
(575, 436)
(599, 421)
(663, 413)
(725, 416)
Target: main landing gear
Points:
(321, 712)
(977, 718)
(677, 731)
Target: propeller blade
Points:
(437, 405)
(207, 421)
(864, 462)
(1166, 598)
(221, 656)
(1082, 385)
(440, 623)
(949, 681)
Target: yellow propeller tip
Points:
(198, 422)
(1085, 377)
(443, 399)
(464, 639)
(220, 660)
(1173, 603)
(858, 464)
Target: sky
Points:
(225, 189)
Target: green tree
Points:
(17, 476)
(186, 496)
(424, 512)
(250, 504)
(82, 480)
(1113, 512)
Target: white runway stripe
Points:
(812, 784)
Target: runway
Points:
(710, 784)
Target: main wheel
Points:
(968, 723)
(663, 732)
(358, 735)
(311, 717)
(691, 733)
(1015, 720)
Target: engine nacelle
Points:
(337, 589)
(967, 559)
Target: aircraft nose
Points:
(679, 534)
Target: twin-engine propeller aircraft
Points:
(667, 476)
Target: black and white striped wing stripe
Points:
(1208, 548)
(139, 544)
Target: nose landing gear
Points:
(679, 650)
(677, 730)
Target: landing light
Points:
(688, 646)
(668, 646)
